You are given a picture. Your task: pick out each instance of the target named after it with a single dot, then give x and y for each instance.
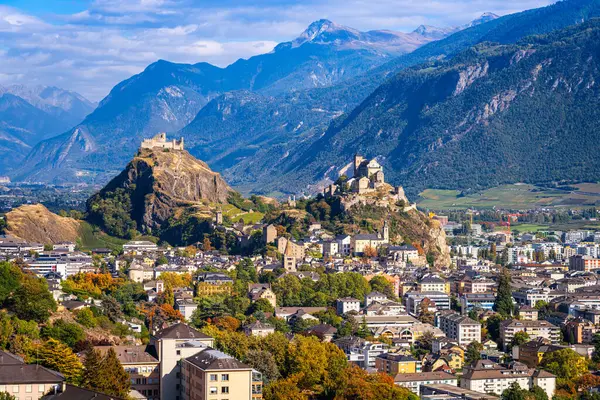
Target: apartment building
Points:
(211, 374)
(413, 382)
(535, 329)
(433, 283)
(394, 364)
(142, 367)
(412, 300)
(488, 377)
(171, 345)
(459, 327)
(347, 304)
(584, 263)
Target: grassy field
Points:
(91, 239)
(235, 214)
(517, 196)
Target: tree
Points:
(370, 251)
(206, 245)
(519, 339)
(356, 383)
(514, 392)
(424, 313)
(33, 301)
(112, 377)
(262, 305)
(85, 317)
(7, 396)
(596, 343)
(162, 260)
(285, 389)
(426, 340)
(380, 284)
(92, 363)
(473, 352)
(10, 280)
(66, 332)
(538, 393)
(504, 300)
(58, 357)
(264, 362)
(566, 364)
(111, 308)
(493, 326)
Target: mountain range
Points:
(29, 115)
(450, 112)
(168, 96)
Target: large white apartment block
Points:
(460, 328)
(488, 377)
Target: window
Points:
(213, 390)
(2, 388)
(178, 352)
(28, 389)
(16, 389)
(225, 390)
(225, 377)
(213, 377)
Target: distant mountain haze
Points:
(290, 120)
(29, 115)
(168, 96)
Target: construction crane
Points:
(510, 216)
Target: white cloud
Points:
(92, 50)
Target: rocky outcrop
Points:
(35, 223)
(160, 183)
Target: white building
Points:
(488, 377)
(347, 304)
(460, 328)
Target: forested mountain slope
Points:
(494, 114)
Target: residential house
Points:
(460, 328)
(413, 382)
(535, 329)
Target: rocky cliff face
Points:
(157, 185)
(35, 223)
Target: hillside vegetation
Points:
(494, 114)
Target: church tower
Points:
(386, 232)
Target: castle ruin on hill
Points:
(160, 141)
(368, 186)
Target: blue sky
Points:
(91, 45)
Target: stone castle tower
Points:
(160, 141)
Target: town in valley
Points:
(331, 219)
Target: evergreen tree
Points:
(363, 330)
(504, 300)
(112, 378)
(91, 364)
(59, 357)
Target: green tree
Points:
(264, 362)
(10, 280)
(566, 364)
(514, 392)
(85, 317)
(33, 301)
(7, 396)
(538, 393)
(504, 300)
(380, 284)
(473, 352)
(113, 380)
(519, 339)
(111, 308)
(92, 364)
(68, 333)
(262, 305)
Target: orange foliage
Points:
(91, 283)
(227, 323)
